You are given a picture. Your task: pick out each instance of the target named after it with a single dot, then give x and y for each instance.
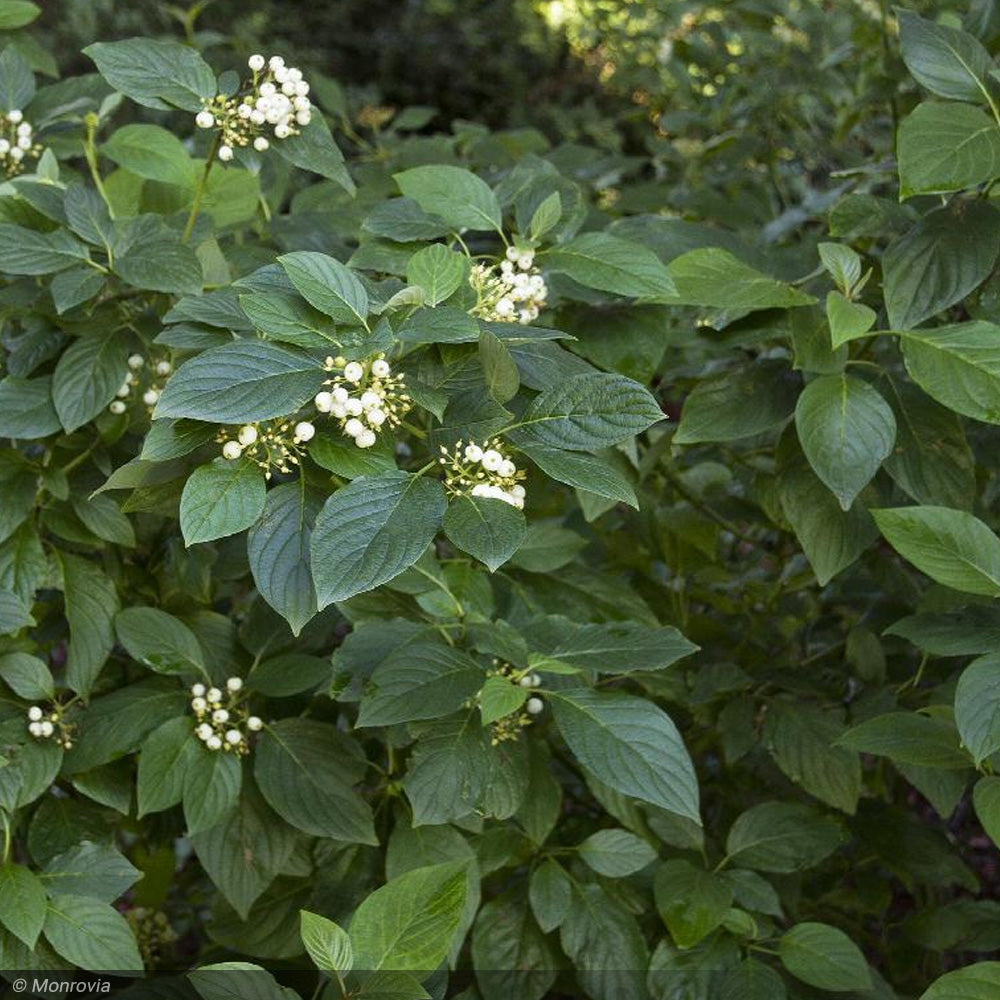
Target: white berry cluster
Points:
(365, 397)
(276, 97)
(48, 724)
(509, 727)
(513, 292)
(223, 722)
(153, 374)
(482, 471)
(273, 444)
(17, 142)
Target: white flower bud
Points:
(535, 706)
(353, 371)
(525, 681)
(199, 704)
(380, 368)
(473, 453)
(47, 728)
(125, 390)
(254, 724)
(323, 401)
(353, 427)
(505, 307)
(282, 131)
(256, 62)
(353, 407)
(512, 253)
(232, 450)
(204, 731)
(482, 490)
(301, 104)
(267, 90)
(375, 417)
(213, 742)
(4, 147)
(370, 399)
(150, 397)
(258, 117)
(491, 460)
(24, 129)
(507, 468)
(261, 144)
(536, 680)
(517, 491)
(204, 119)
(288, 88)
(294, 74)
(244, 111)
(301, 88)
(303, 117)
(24, 142)
(338, 410)
(234, 737)
(225, 153)
(35, 728)
(365, 439)
(164, 368)
(275, 62)
(117, 407)
(198, 690)
(341, 395)
(304, 431)
(220, 715)
(14, 116)
(247, 435)
(35, 713)
(234, 684)
(17, 154)
(214, 695)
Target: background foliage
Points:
(756, 572)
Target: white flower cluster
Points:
(277, 96)
(272, 444)
(46, 725)
(514, 293)
(17, 141)
(482, 471)
(221, 726)
(156, 375)
(365, 397)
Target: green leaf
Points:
(975, 982)
(977, 707)
(489, 529)
(155, 74)
(691, 901)
(611, 648)
(370, 531)
(958, 366)
(752, 980)
(986, 798)
(27, 676)
(169, 751)
(616, 853)
(91, 935)
(150, 151)
(327, 944)
(952, 547)
(550, 894)
(546, 216)
(631, 745)
(26, 408)
(588, 411)
(304, 769)
(331, 287)
(939, 261)
(220, 499)
(738, 404)
(824, 957)
(288, 318)
(781, 837)
(848, 320)
(846, 430)
(211, 789)
(586, 472)
(15, 614)
(31, 252)
(244, 381)
(17, 82)
(612, 264)
(910, 738)
(499, 368)
(93, 870)
(278, 552)
(87, 377)
(314, 149)
(17, 13)
(424, 680)
(499, 697)
(947, 61)
(23, 912)
(458, 196)
(162, 266)
(944, 147)
(713, 277)
(237, 981)
(91, 606)
(159, 640)
(438, 271)
(511, 956)
(408, 924)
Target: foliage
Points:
(489, 566)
